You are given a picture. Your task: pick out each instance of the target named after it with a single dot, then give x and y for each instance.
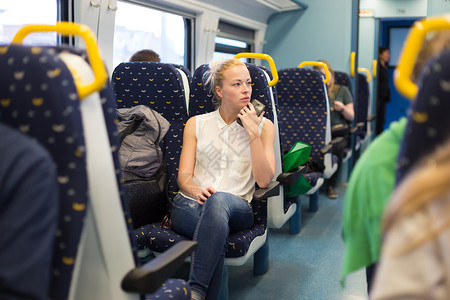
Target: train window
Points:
(232, 39)
(139, 27)
(227, 48)
(15, 14)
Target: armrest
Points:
(147, 278)
(328, 147)
(371, 117)
(289, 178)
(273, 189)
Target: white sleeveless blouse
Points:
(223, 158)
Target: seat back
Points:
(160, 87)
(428, 122)
(112, 232)
(38, 97)
(304, 112)
(343, 78)
(186, 77)
(200, 97)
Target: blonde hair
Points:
(332, 84)
(432, 46)
(216, 74)
(428, 183)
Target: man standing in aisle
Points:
(383, 92)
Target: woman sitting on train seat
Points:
(341, 108)
(415, 259)
(219, 165)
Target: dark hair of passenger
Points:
(382, 49)
(145, 55)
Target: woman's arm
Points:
(261, 145)
(345, 103)
(187, 164)
(263, 156)
(346, 110)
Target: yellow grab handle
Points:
(266, 57)
(352, 64)
(369, 76)
(89, 39)
(318, 64)
(411, 47)
(374, 68)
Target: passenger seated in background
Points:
(28, 216)
(145, 55)
(415, 260)
(341, 108)
(219, 165)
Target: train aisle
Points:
(306, 266)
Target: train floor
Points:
(303, 266)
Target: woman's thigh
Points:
(185, 215)
(240, 213)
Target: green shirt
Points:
(369, 189)
(342, 94)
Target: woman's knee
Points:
(185, 216)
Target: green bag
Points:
(297, 156)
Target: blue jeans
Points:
(209, 224)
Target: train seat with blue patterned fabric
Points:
(304, 116)
(428, 122)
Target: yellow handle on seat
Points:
(369, 76)
(352, 64)
(411, 47)
(317, 64)
(266, 57)
(374, 68)
(89, 39)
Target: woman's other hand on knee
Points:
(204, 194)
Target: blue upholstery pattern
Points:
(343, 78)
(108, 104)
(201, 99)
(185, 70)
(171, 289)
(158, 239)
(164, 96)
(428, 123)
(158, 86)
(303, 112)
(288, 201)
(40, 101)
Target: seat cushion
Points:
(158, 239)
(172, 289)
